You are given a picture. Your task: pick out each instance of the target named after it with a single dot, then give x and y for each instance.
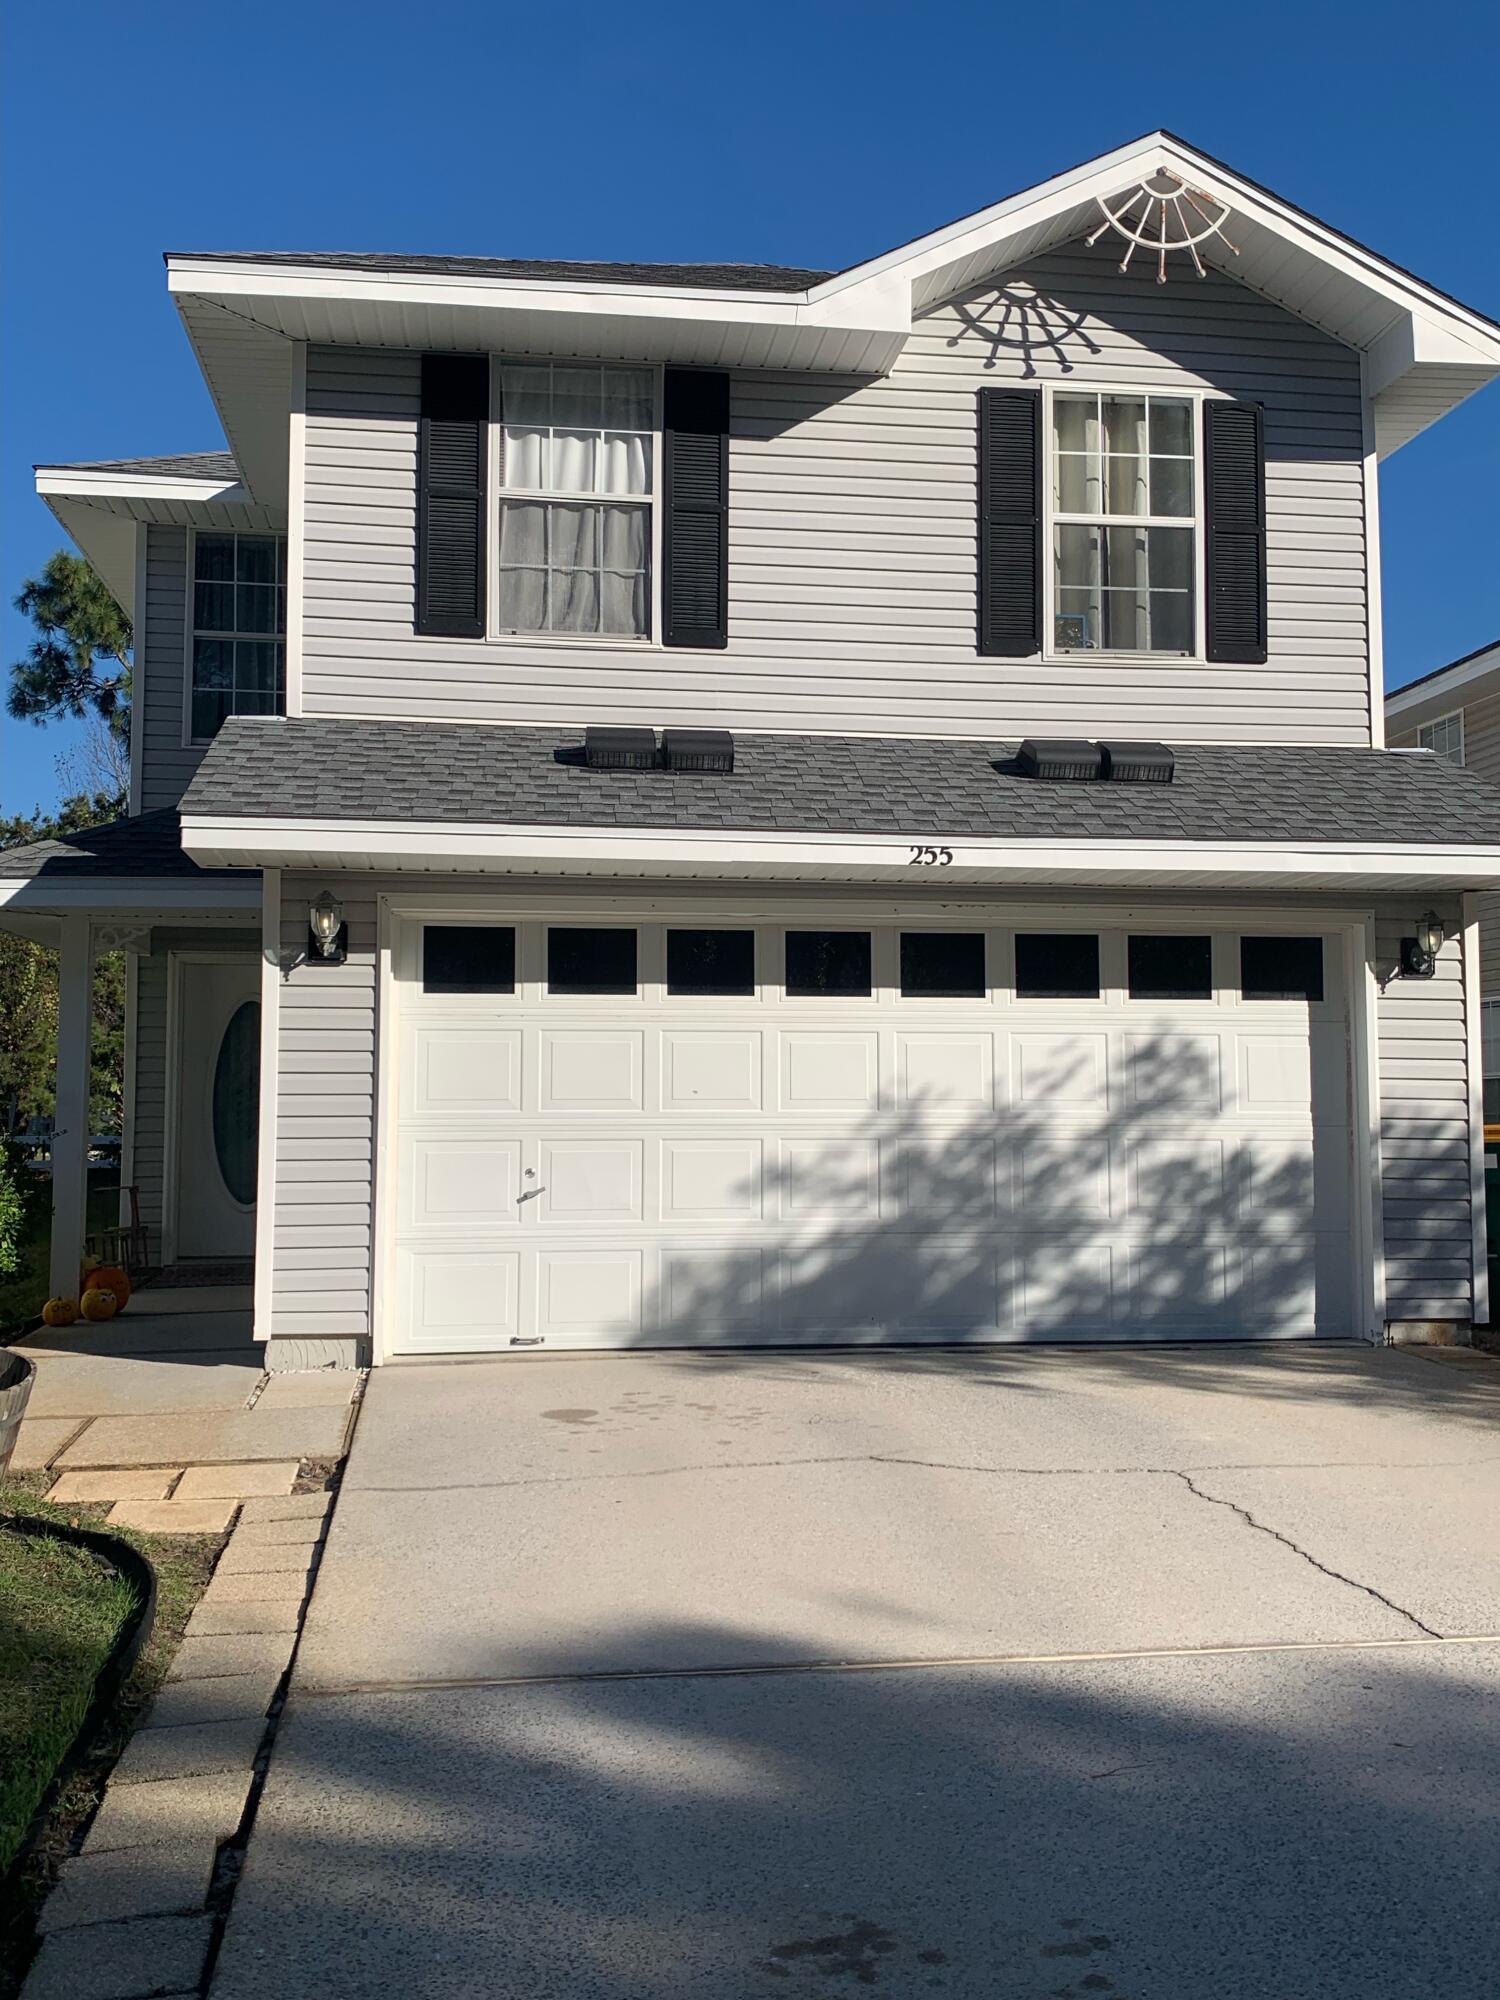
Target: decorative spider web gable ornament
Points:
(1162, 214)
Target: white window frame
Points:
(1454, 715)
(190, 623)
(494, 634)
(1197, 523)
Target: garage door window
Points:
(828, 964)
(591, 961)
(468, 958)
(1281, 968)
(942, 965)
(711, 962)
(1170, 967)
(1059, 965)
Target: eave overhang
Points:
(1475, 678)
(624, 854)
(1425, 352)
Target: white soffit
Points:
(101, 511)
(1427, 352)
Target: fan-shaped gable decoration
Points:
(1162, 215)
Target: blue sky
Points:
(810, 133)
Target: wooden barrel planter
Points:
(16, 1377)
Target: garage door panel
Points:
(592, 1069)
(824, 1070)
(1275, 1073)
(460, 1184)
(590, 1180)
(1169, 1075)
(712, 1290)
(1067, 1285)
(462, 1071)
(1183, 1179)
(1178, 1282)
(1276, 1180)
(945, 1071)
(950, 1181)
(1062, 1179)
(712, 1180)
(711, 1070)
(1064, 1069)
(1281, 1286)
(457, 1299)
(590, 1294)
(833, 1176)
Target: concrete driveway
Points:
(1026, 1675)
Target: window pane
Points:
(523, 600)
(213, 607)
(942, 965)
(1281, 968)
(525, 394)
(573, 600)
(213, 663)
(1171, 622)
(628, 399)
(1170, 968)
(1171, 426)
(828, 963)
(1171, 486)
(623, 604)
(577, 398)
(1056, 966)
(1126, 485)
(209, 710)
(573, 461)
(214, 559)
(1075, 423)
(1077, 557)
(257, 665)
(573, 535)
(1076, 484)
(1125, 425)
(468, 958)
(255, 607)
(1171, 551)
(591, 961)
(624, 537)
(255, 559)
(624, 463)
(711, 962)
(523, 534)
(525, 460)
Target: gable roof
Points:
(1474, 677)
(534, 270)
(218, 466)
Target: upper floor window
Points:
(1124, 523)
(1445, 735)
(239, 629)
(576, 481)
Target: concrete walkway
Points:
(1159, 1674)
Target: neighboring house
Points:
(1455, 713)
(891, 1032)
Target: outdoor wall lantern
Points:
(1419, 953)
(327, 933)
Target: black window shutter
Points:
(1234, 485)
(1010, 522)
(695, 508)
(451, 458)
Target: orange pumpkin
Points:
(111, 1278)
(97, 1303)
(59, 1312)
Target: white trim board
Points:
(1474, 1050)
(265, 1159)
(1439, 688)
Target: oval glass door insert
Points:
(236, 1104)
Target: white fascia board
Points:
(1437, 692)
(66, 484)
(126, 895)
(275, 842)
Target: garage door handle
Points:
(530, 1195)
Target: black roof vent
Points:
(1067, 759)
(620, 749)
(1138, 763)
(698, 750)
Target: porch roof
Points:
(131, 871)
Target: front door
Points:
(218, 1105)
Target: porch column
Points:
(70, 1136)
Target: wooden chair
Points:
(127, 1243)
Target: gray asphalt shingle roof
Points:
(175, 465)
(544, 270)
(322, 768)
(149, 844)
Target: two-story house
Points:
(720, 805)
(1454, 712)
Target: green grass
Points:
(61, 1609)
(24, 1292)
(183, 1565)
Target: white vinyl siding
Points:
(1424, 1128)
(1480, 742)
(852, 539)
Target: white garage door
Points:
(709, 1133)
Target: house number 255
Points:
(930, 857)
